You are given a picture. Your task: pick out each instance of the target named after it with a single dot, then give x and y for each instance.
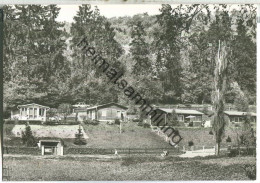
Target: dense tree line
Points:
(168, 57)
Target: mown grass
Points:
(128, 168)
(132, 136)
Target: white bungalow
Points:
(31, 112)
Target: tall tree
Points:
(220, 82)
(173, 23)
(139, 50)
(87, 83)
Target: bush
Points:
(210, 132)
(28, 138)
(79, 138)
(137, 120)
(110, 122)
(233, 153)
(250, 171)
(91, 122)
(8, 121)
(31, 122)
(228, 139)
(140, 124)
(117, 121)
(191, 143)
(146, 125)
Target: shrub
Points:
(250, 171)
(110, 122)
(91, 122)
(233, 153)
(140, 124)
(228, 139)
(146, 125)
(137, 120)
(8, 121)
(191, 143)
(27, 137)
(210, 132)
(79, 140)
(117, 121)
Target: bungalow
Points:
(30, 112)
(187, 117)
(105, 112)
(237, 118)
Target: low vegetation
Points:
(129, 168)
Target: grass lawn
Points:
(132, 136)
(33, 168)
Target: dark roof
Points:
(106, 105)
(238, 113)
(181, 111)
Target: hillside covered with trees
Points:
(169, 58)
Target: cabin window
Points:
(30, 112)
(104, 113)
(197, 118)
(236, 119)
(180, 118)
(24, 112)
(35, 113)
(41, 112)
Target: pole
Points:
(120, 127)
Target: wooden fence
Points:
(124, 151)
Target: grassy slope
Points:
(141, 168)
(201, 136)
(133, 136)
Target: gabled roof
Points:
(106, 105)
(181, 111)
(239, 113)
(33, 104)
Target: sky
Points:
(110, 10)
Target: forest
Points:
(169, 58)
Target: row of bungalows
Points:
(194, 118)
(113, 111)
(104, 112)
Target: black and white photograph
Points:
(128, 91)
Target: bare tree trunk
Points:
(220, 79)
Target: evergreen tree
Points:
(139, 50)
(27, 137)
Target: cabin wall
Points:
(110, 113)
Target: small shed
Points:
(51, 147)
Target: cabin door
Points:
(118, 115)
